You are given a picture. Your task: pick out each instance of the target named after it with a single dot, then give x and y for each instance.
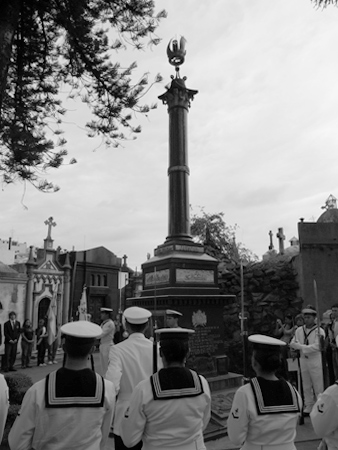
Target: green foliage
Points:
(219, 238)
(13, 411)
(18, 383)
(49, 46)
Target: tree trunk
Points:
(9, 16)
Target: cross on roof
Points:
(281, 239)
(50, 224)
(271, 243)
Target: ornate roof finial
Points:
(176, 53)
(331, 203)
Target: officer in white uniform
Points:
(171, 408)
(72, 408)
(172, 318)
(265, 412)
(107, 337)
(324, 417)
(130, 362)
(307, 341)
(4, 404)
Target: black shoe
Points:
(12, 369)
(306, 414)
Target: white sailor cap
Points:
(171, 312)
(81, 330)
(263, 340)
(108, 310)
(174, 333)
(136, 315)
(309, 310)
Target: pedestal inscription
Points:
(194, 276)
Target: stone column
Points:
(30, 285)
(178, 99)
(66, 292)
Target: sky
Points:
(262, 135)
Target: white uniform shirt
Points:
(313, 347)
(108, 331)
(130, 362)
(4, 404)
(73, 428)
(165, 423)
(245, 425)
(324, 416)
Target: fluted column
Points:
(178, 98)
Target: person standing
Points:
(4, 404)
(324, 417)
(333, 343)
(171, 408)
(27, 339)
(12, 332)
(130, 362)
(72, 407)
(41, 342)
(265, 412)
(107, 337)
(172, 318)
(307, 341)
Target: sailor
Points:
(107, 337)
(4, 404)
(72, 408)
(172, 318)
(324, 417)
(265, 412)
(307, 341)
(171, 408)
(130, 362)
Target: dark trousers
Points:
(10, 355)
(119, 445)
(26, 348)
(41, 352)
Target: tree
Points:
(325, 3)
(47, 45)
(219, 238)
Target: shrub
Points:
(18, 384)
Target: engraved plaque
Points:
(194, 276)
(158, 277)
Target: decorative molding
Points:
(158, 277)
(194, 276)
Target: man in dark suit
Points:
(12, 333)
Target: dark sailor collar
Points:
(66, 388)
(274, 397)
(176, 382)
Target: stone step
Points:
(228, 381)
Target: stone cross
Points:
(271, 243)
(124, 257)
(50, 224)
(281, 239)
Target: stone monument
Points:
(180, 275)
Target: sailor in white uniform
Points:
(4, 404)
(172, 318)
(324, 416)
(71, 408)
(130, 362)
(265, 412)
(307, 341)
(107, 338)
(171, 408)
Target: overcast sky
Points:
(263, 135)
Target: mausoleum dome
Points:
(330, 215)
